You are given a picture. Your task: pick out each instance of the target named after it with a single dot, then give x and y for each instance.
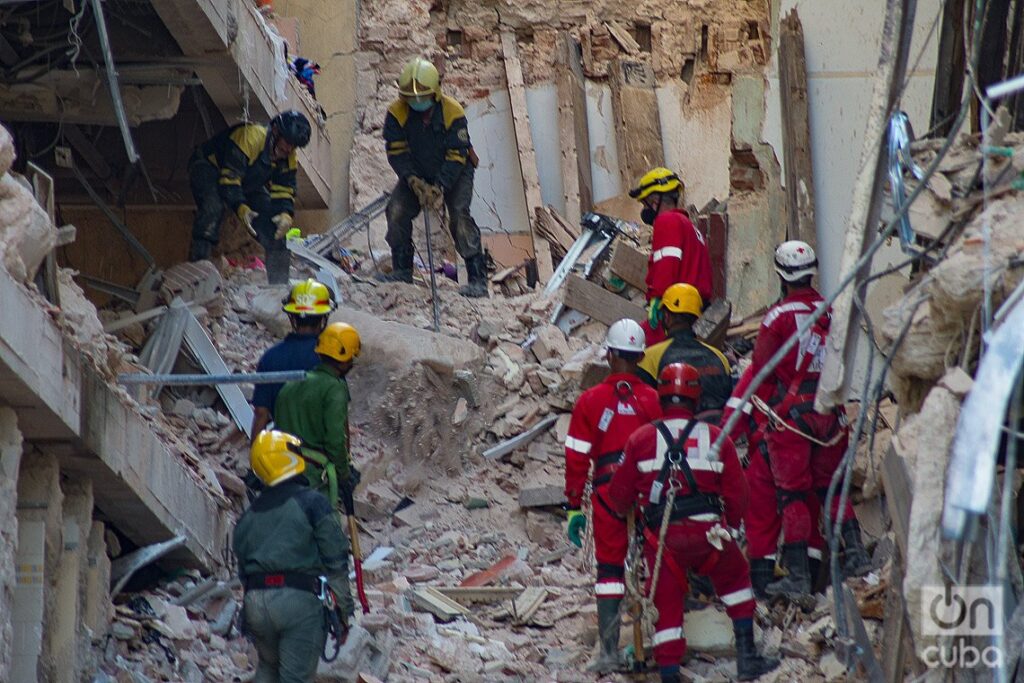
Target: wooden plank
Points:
(437, 603)
(464, 595)
(489, 575)
(527, 155)
(541, 496)
(623, 38)
(630, 264)
(506, 447)
(898, 495)
(600, 304)
(796, 130)
(527, 604)
(573, 130)
(637, 124)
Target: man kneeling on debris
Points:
(804, 446)
(249, 168)
(602, 420)
(678, 249)
(316, 410)
(293, 562)
(694, 501)
(427, 140)
(681, 306)
(307, 307)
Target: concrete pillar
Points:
(66, 638)
(10, 457)
(97, 613)
(40, 533)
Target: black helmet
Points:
(293, 127)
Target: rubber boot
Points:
(278, 265)
(856, 561)
(476, 268)
(200, 249)
(762, 572)
(796, 586)
(814, 567)
(669, 674)
(401, 267)
(749, 664)
(608, 625)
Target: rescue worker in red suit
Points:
(679, 252)
(709, 502)
(602, 420)
(801, 468)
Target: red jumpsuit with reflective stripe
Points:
(800, 468)
(602, 419)
(679, 253)
(686, 542)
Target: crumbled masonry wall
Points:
(26, 234)
(10, 458)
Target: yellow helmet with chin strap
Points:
(682, 298)
(419, 78)
(658, 180)
(339, 341)
(276, 456)
(309, 298)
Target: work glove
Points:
(654, 312)
(248, 216)
(283, 221)
(433, 197)
(577, 525)
(418, 186)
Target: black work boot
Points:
(401, 267)
(796, 586)
(814, 567)
(476, 269)
(856, 561)
(278, 264)
(762, 572)
(749, 664)
(608, 625)
(669, 674)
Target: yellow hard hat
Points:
(275, 456)
(309, 298)
(682, 298)
(660, 180)
(419, 77)
(339, 341)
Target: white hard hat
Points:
(795, 260)
(626, 335)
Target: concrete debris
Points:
(26, 233)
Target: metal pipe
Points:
(182, 380)
(433, 275)
(115, 89)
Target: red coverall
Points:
(679, 253)
(801, 470)
(686, 541)
(602, 419)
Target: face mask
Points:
(421, 105)
(647, 215)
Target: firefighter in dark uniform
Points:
(249, 168)
(427, 141)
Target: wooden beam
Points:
(949, 69)
(600, 304)
(623, 38)
(630, 264)
(573, 131)
(527, 155)
(796, 129)
(637, 124)
(437, 603)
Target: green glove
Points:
(654, 312)
(577, 525)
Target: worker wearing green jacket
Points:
(316, 408)
(287, 543)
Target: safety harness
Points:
(692, 503)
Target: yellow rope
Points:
(779, 423)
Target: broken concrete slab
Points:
(542, 496)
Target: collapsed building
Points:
(119, 499)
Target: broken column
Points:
(96, 612)
(10, 456)
(39, 549)
(68, 643)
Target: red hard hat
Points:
(679, 379)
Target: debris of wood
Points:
(630, 264)
(489, 575)
(600, 304)
(623, 38)
(527, 604)
(437, 603)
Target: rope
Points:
(587, 506)
(778, 423)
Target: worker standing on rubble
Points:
(681, 305)
(427, 141)
(316, 408)
(804, 446)
(679, 252)
(249, 168)
(602, 420)
(668, 469)
(293, 563)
